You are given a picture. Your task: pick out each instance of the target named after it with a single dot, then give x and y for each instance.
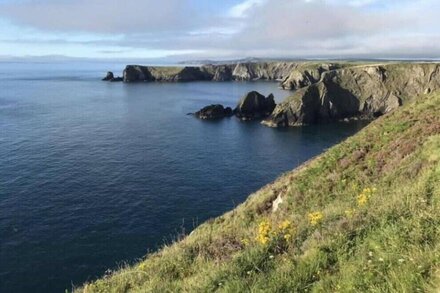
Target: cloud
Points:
(228, 29)
(240, 10)
(104, 16)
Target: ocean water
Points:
(96, 174)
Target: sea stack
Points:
(254, 106)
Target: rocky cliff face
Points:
(291, 75)
(368, 91)
(306, 74)
(136, 73)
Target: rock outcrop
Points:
(305, 75)
(216, 111)
(360, 91)
(110, 77)
(254, 106)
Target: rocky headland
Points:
(322, 91)
(364, 91)
(290, 74)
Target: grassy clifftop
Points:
(363, 216)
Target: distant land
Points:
(323, 91)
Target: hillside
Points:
(363, 216)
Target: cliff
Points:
(323, 91)
(358, 91)
(289, 73)
(362, 217)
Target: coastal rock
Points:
(262, 70)
(280, 71)
(254, 105)
(305, 75)
(363, 91)
(109, 76)
(216, 111)
(188, 74)
(117, 79)
(134, 73)
(222, 73)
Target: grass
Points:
(362, 217)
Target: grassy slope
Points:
(387, 240)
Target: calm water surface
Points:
(93, 174)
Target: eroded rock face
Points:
(254, 106)
(361, 91)
(280, 71)
(134, 73)
(222, 73)
(305, 75)
(214, 112)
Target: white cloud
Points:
(241, 10)
(262, 28)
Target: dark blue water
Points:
(93, 174)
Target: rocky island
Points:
(251, 106)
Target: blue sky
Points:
(220, 29)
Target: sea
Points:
(95, 175)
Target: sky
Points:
(220, 29)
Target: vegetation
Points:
(363, 216)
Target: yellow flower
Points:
(362, 199)
(367, 190)
(142, 266)
(315, 218)
(365, 195)
(263, 232)
(285, 225)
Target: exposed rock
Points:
(134, 73)
(109, 76)
(276, 203)
(222, 73)
(361, 91)
(191, 74)
(254, 105)
(214, 112)
(117, 79)
(242, 71)
(305, 75)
